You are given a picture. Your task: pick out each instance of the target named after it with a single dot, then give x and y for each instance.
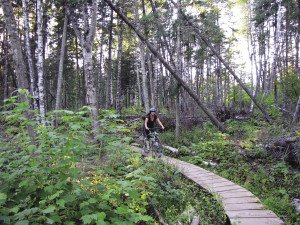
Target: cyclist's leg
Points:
(159, 147)
(146, 141)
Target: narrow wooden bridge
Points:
(240, 205)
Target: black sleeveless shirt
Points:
(151, 123)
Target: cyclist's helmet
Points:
(152, 110)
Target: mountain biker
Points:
(150, 120)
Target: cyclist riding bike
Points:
(151, 119)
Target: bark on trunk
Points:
(109, 70)
(28, 52)
(169, 68)
(142, 59)
(40, 60)
(120, 44)
(61, 65)
(86, 41)
(276, 46)
(178, 70)
(297, 112)
(11, 25)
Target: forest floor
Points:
(253, 154)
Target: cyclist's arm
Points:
(160, 124)
(146, 121)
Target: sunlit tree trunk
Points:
(119, 72)
(179, 70)
(86, 41)
(61, 65)
(40, 60)
(276, 46)
(143, 61)
(19, 63)
(5, 69)
(28, 52)
(109, 67)
(297, 111)
(138, 80)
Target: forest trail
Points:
(240, 205)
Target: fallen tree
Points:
(174, 73)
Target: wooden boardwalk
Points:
(240, 205)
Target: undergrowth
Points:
(240, 156)
(56, 173)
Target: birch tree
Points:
(28, 52)
(40, 60)
(86, 39)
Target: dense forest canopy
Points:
(74, 53)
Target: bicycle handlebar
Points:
(155, 129)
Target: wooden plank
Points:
(227, 188)
(235, 194)
(251, 214)
(223, 184)
(243, 200)
(256, 221)
(240, 207)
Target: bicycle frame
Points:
(154, 143)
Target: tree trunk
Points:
(86, 41)
(40, 60)
(28, 52)
(298, 41)
(5, 69)
(109, 70)
(276, 46)
(11, 25)
(138, 81)
(215, 121)
(142, 59)
(118, 89)
(61, 65)
(178, 70)
(297, 112)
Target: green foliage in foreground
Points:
(50, 177)
(240, 157)
(55, 173)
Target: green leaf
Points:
(22, 222)
(3, 197)
(57, 194)
(123, 210)
(101, 216)
(92, 200)
(50, 209)
(14, 209)
(87, 219)
(61, 203)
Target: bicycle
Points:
(155, 146)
